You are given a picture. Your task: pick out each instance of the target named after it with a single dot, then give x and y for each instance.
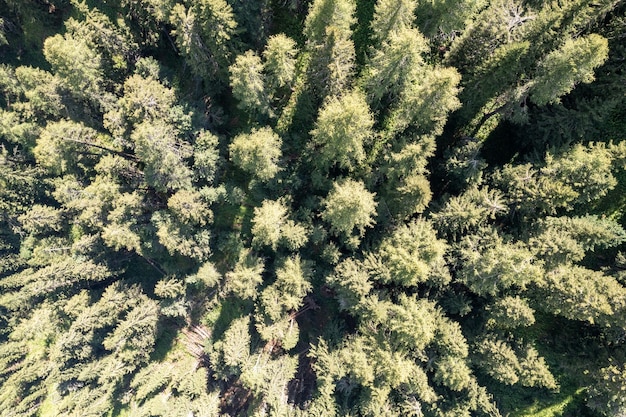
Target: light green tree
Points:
(351, 282)
(329, 37)
(149, 16)
(257, 153)
(42, 91)
(343, 129)
(112, 41)
(606, 394)
(182, 228)
(232, 351)
(279, 302)
(204, 33)
(349, 207)
(267, 223)
(145, 99)
(510, 312)
(489, 265)
(446, 18)
(426, 102)
(412, 254)
(574, 62)
(509, 365)
(579, 293)
(470, 210)
(25, 365)
(391, 17)
(280, 62)
(158, 146)
(248, 83)
(324, 14)
(568, 239)
(407, 190)
(67, 146)
(246, 276)
(78, 65)
(392, 66)
(41, 220)
(206, 156)
(577, 176)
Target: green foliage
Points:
(470, 210)
(275, 319)
(351, 282)
(42, 220)
(606, 395)
(392, 66)
(349, 206)
(267, 223)
(280, 61)
(453, 373)
(412, 255)
(257, 153)
(77, 64)
(562, 69)
(145, 101)
(232, 352)
(204, 33)
(426, 101)
(113, 42)
(391, 17)
(328, 31)
(510, 312)
(491, 266)
(407, 190)
(499, 360)
(65, 146)
(444, 17)
(181, 228)
(248, 84)
(582, 294)
(158, 146)
(198, 218)
(149, 15)
(343, 129)
(67, 276)
(576, 177)
(42, 93)
(206, 157)
(243, 280)
(326, 14)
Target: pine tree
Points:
(248, 83)
(562, 69)
(77, 65)
(349, 206)
(412, 255)
(342, 131)
(66, 146)
(257, 153)
(327, 29)
(246, 276)
(280, 62)
(489, 265)
(158, 146)
(392, 17)
(606, 395)
(267, 223)
(582, 294)
(407, 190)
(204, 34)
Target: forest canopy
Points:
(312, 208)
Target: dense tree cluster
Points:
(312, 208)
